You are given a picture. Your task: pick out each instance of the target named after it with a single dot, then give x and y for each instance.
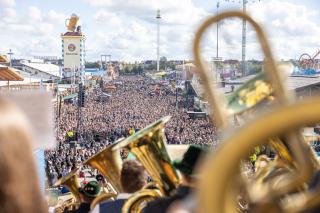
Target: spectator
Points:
(129, 109)
(88, 193)
(133, 178)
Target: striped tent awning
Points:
(9, 74)
(71, 96)
(4, 59)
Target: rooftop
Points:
(51, 69)
(293, 82)
(9, 74)
(72, 34)
(4, 59)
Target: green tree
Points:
(140, 69)
(150, 67)
(126, 70)
(134, 69)
(163, 63)
(92, 65)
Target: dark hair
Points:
(133, 176)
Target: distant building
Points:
(176, 62)
(50, 59)
(73, 53)
(188, 69)
(149, 62)
(44, 71)
(37, 68)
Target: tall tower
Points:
(158, 17)
(244, 36)
(244, 40)
(10, 53)
(217, 54)
(73, 51)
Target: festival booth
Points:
(9, 74)
(109, 88)
(103, 97)
(195, 115)
(70, 98)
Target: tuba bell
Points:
(149, 147)
(109, 163)
(72, 183)
(138, 201)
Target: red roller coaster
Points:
(308, 62)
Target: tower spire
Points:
(158, 17)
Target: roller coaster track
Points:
(309, 62)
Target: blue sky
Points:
(126, 28)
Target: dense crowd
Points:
(132, 106)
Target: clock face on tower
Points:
(71, 47)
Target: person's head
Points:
(100, 179)
(90, 191)
(19, 190)
(133, 176)
(125, 153)
(188, 163)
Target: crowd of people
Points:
(132, 106)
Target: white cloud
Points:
(291, 28)
(9, 15)
(133, 27)
(34, 13)
(33, 32)
(7, 3)
(127, 29)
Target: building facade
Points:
(73, 54)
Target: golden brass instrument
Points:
(101, 198)
(68, 205)
(219, 183)
(217, 188)
(72, 183)
(109, 163)
(138, 201)
(149, 146)
(249, 95)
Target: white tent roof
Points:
(48, 68)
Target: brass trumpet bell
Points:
(149, 146)
(249, 94)
(71, 181)
(109, 163)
